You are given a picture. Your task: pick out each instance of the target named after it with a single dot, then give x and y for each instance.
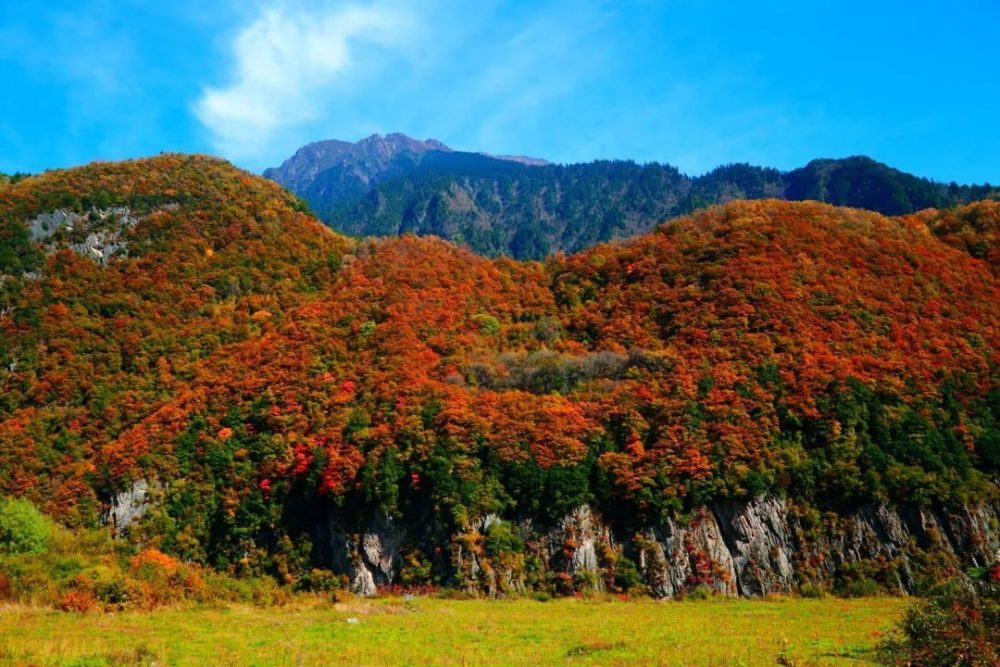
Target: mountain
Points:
(350, 169)
(339, 170)
(527, 208)
(756, 397)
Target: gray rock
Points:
(975, 534)
(128, 506)
(370, 559)
(750, 548)
(381, 549)
(100, 234)
(363, 162)
(678, 558)
(573, 546)
(758, 538)
(362, 581)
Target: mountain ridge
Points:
(526, 209)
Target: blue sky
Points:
(696, 84)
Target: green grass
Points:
(427, 631)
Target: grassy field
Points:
(426, 631)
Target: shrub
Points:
(866, 578)
(318, 580)
(955, 626)
(862, 587)
(627, 575)
(153, 563)
(501, 540)
(78, 601)
(585, 581)
(416, 569)
(114, 592)
(23, 529)
(811, 590)
(161, 579)
(700, 592)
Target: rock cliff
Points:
(753, 548)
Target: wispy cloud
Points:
(288, 64)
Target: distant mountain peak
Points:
(360, 165)
(397, 142)
(364, 161)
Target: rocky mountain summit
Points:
(339, 170)
(364, 161)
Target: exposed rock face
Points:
(676, 558)
(975, 531)
(362, 582)
(381, 550)
(479, 571)
(574, 550)
(128, 506)
(880, 533)
(371, 558)
(575, 546)
(99, 234)
(584, 531)
(757, 536)
(760, 547)
(875, 532)
(752, 548)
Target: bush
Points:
(114, 592)
(78, 601)
(501, 540)
(23, 529)
(416, 569)
(488, 324)
(811, 590)
(627, 576)
(318, 580)
(956, 626)
(867, 578)
(859, 588)
(700, 592)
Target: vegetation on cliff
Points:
(264, 375)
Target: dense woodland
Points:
(264, 373)
(504, 208)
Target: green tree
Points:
(23, 529)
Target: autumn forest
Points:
(187, 325)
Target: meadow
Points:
(431, 631)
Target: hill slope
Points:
(385, 186)
(243, 387)
(115, 280)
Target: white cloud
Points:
(288, 62)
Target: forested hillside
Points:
(278, 388)
(384, 186)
